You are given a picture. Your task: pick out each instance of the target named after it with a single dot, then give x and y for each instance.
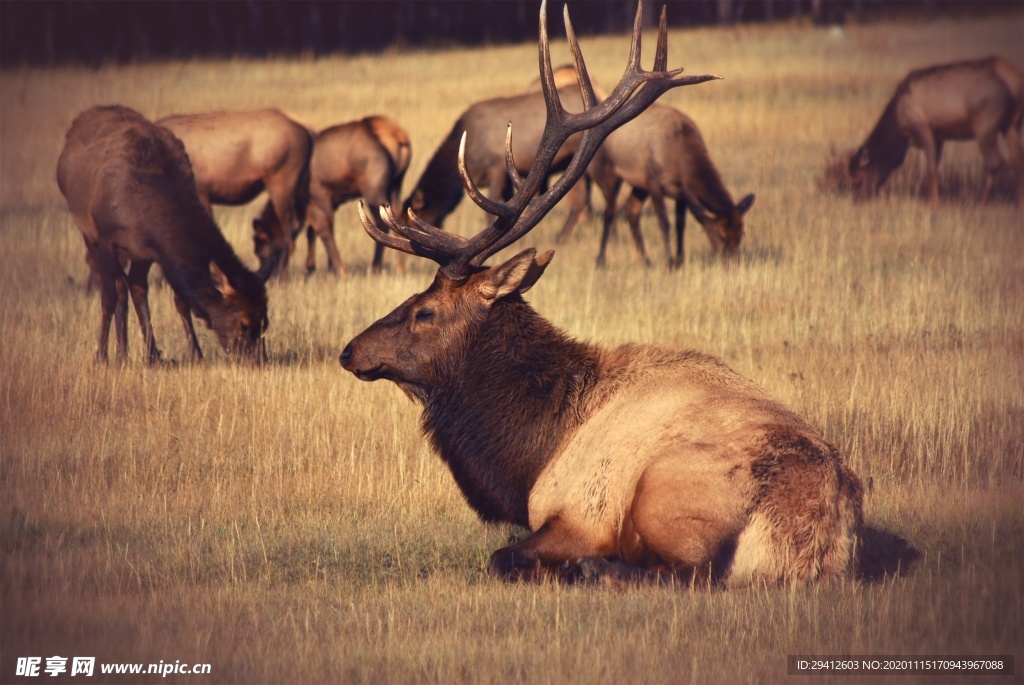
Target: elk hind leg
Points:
(684, 520)
(634, 204)
(321, 220)
(610, 190)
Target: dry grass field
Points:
(289, 524)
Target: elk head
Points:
(239, 316)
(872, 164)
(413, 344)
(724, 230)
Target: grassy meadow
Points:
(289, 524)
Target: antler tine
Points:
(661, 53)
(510, 164)
(422, 233)
(395, 242)
(582, 75)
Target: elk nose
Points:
(346, 356)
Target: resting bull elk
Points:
(637, 459)
(978, 100)
(237, 155)
(131, 193)
(366, 158)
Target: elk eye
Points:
(424, 315)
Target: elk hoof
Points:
(508, 566)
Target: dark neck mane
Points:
(440, 183)
(498, 416)
(886, 144)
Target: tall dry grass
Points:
(289, 523)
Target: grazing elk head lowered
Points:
(636, 459)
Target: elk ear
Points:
(516, 275)
(220, 281)
(744, 205)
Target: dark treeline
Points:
(99, 31)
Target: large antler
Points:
(636, 91)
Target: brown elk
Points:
(367, 158)
(636, 458)
(978, 100)
(237, 155)
(439, 189)
(131, 193)
(662, 154)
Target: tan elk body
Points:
(366, 158)
(235, 156)
(635, 460)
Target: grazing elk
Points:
(131, 193)
(237, 155)
(439, 189)
(661, 154)
(636, 458)
(366, 158)
(977, 99)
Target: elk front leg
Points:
(185, 312)
(610, 190)
(138, 286)
(534, 558)
(927, 143)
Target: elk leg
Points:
(927, 143)
(610, 190)
(121, 313)
(579, 200)
(634, 204)
(282, 195)
(658, 201)
(532, 558)
(310, 249)
(322, 221)
(989, 145)
(1016, 148)
(680, 229)
(687, 520)
(185, 312)
(105, 266)
(138, 286)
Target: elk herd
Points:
(630, 463)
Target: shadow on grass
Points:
(884, 555)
